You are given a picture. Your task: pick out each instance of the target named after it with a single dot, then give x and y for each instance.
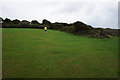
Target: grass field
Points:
(32, 53)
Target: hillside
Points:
(32, 53)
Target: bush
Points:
(79, 26)
(56, 26)
(46, 22)
(36, 26)
(10, 25)
(99, 33)
(112, 32)
(69, 29)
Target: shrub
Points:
(56, 26)
(4, 25)
(69, 29)
(79, 26)
(46, 22)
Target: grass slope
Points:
(32, 53)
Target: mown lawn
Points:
(32, 53)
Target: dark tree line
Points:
(77, 28)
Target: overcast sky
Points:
(97, 13)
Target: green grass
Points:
(0, 52)
(32, 53)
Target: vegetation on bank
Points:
(77, 28)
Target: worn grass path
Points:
(32, 53)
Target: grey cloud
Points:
(71, 7)
(95, 14)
